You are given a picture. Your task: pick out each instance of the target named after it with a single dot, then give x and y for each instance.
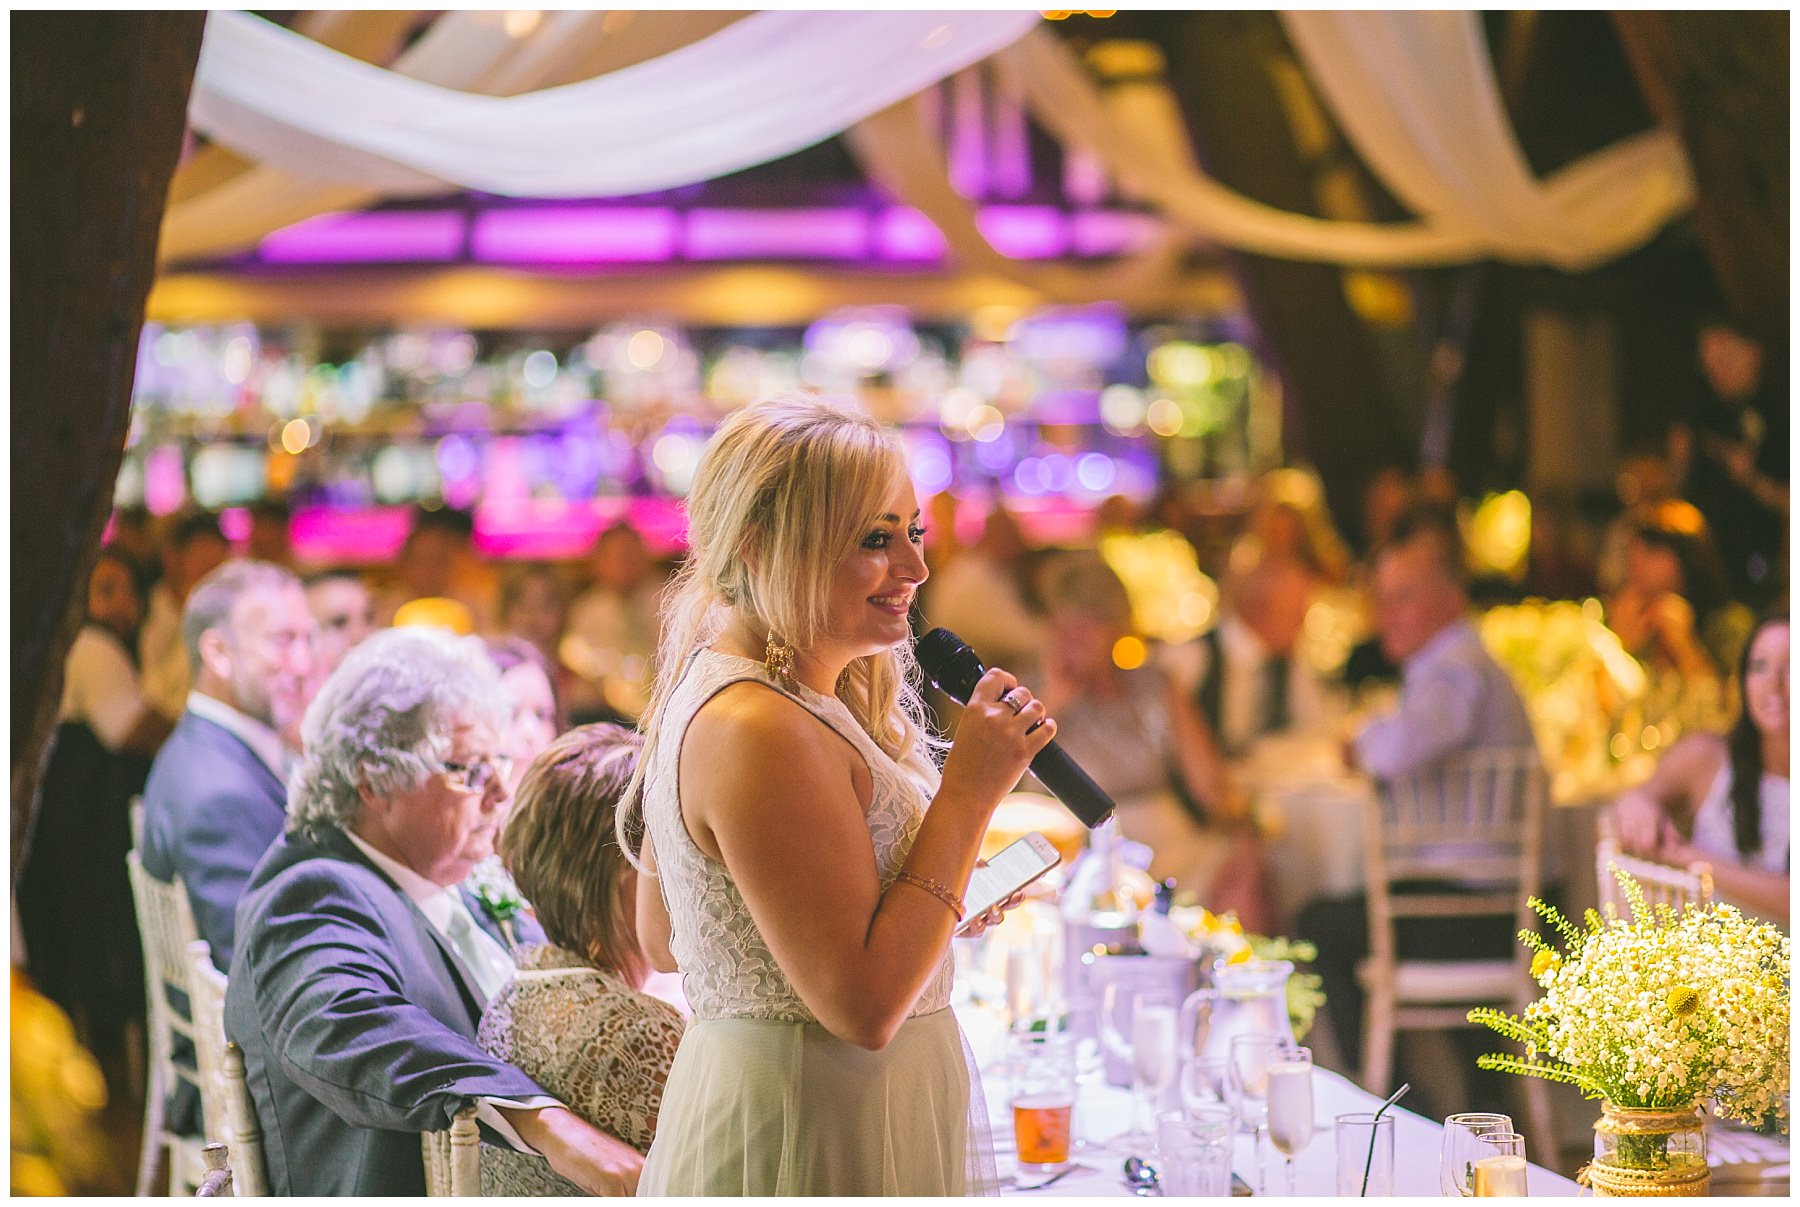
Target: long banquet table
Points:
(1104, 1112)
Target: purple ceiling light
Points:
(387, 235)
(1025, 232)
(576, 235)
(745, 234)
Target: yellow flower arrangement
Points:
(1664, 1010)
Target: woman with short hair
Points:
(575, 1018)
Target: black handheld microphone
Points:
(955, 669)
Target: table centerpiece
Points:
(1656, 1016)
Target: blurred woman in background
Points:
(1724, 800)
(1145, 742)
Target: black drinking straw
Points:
(1374, 1131)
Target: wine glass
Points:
(1251, 1058)
(1290, 1104)
(1499, 1165)
(1456, 1173)
(1203, 1083)
(1154, 1059)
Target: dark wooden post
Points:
(99, 102)
(1720, 81)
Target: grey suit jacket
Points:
(211, 809)
(356, 1019)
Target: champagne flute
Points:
(1500, 1166)
(1154, 1058)
(1291, 1104)
(1456, 1174)
(1251, 1058)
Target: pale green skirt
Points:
(757, 1107)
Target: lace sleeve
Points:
(602, 1049)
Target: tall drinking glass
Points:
(1500, 1166)
(1193, 1150)
(1154, 1058)
(1291, 1104)
(1456, 1162)
(1251, 1058)
(1043, 1099)
(1365, 1155)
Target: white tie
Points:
(485, 959)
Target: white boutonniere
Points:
(499, 896)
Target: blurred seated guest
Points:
(574, 1018)
(537, 715)
(194, 548)
(1647, 478)
(1254, 679)
(1735, 467)
(1671, 612)
(361, 969)
(132, 535)
(1289, 524)
(1387, 498)
(270, 540)
(614, 625)
(1724, 800)
(438, 561)
(344, 612)
(980, 595)
(1453, 696)
(1144, 742)
(217, 792)
(534, 607)
(74, 897)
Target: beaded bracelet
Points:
(936, 888)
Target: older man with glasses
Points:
(362, 966)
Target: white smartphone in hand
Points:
(1016, 866)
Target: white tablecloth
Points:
(1104, 1112)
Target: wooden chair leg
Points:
(1378, 1042)
(1540, 1122)
(153, 1145)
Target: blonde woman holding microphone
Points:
(806, 857)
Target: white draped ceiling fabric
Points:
(1414, 91)
(764, 87)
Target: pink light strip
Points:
(1025, 232)
(584, 235)
(361, 238)
(820, 234)
(903, 233)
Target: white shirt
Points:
(1241, 687)
(101, 688)
(438, 904)
(263, 742)
(1453, 697)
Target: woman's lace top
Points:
(599, 1046)
(727, 969)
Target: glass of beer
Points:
(1043, 1099)
(1500, 1166)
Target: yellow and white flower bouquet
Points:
(1660, 1012)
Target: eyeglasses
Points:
(479, 775)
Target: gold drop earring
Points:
(778, 656)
